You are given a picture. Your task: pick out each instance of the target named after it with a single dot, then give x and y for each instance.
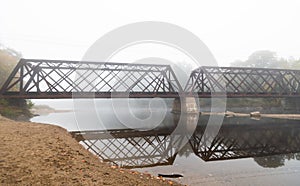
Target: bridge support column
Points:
(185, 105)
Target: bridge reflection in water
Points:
(130, 148)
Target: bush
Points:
(3, 102)
(29, 104)
(16, 108)
(8, 112)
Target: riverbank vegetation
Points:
(18, 109)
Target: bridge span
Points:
(54, 79)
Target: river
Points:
(240, 151)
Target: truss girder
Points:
(61, 79)
(244, 82)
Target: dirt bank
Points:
(39, 154)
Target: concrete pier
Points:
(185, 105)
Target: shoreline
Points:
(33, 153)
(44, 110)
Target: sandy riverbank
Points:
(39, 154)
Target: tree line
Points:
(267, 59)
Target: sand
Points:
(40, 154)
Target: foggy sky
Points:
(231, 29)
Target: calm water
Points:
(242, 151)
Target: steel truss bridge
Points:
(42, 79)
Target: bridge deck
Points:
(108, 95)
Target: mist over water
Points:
(105, 118)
